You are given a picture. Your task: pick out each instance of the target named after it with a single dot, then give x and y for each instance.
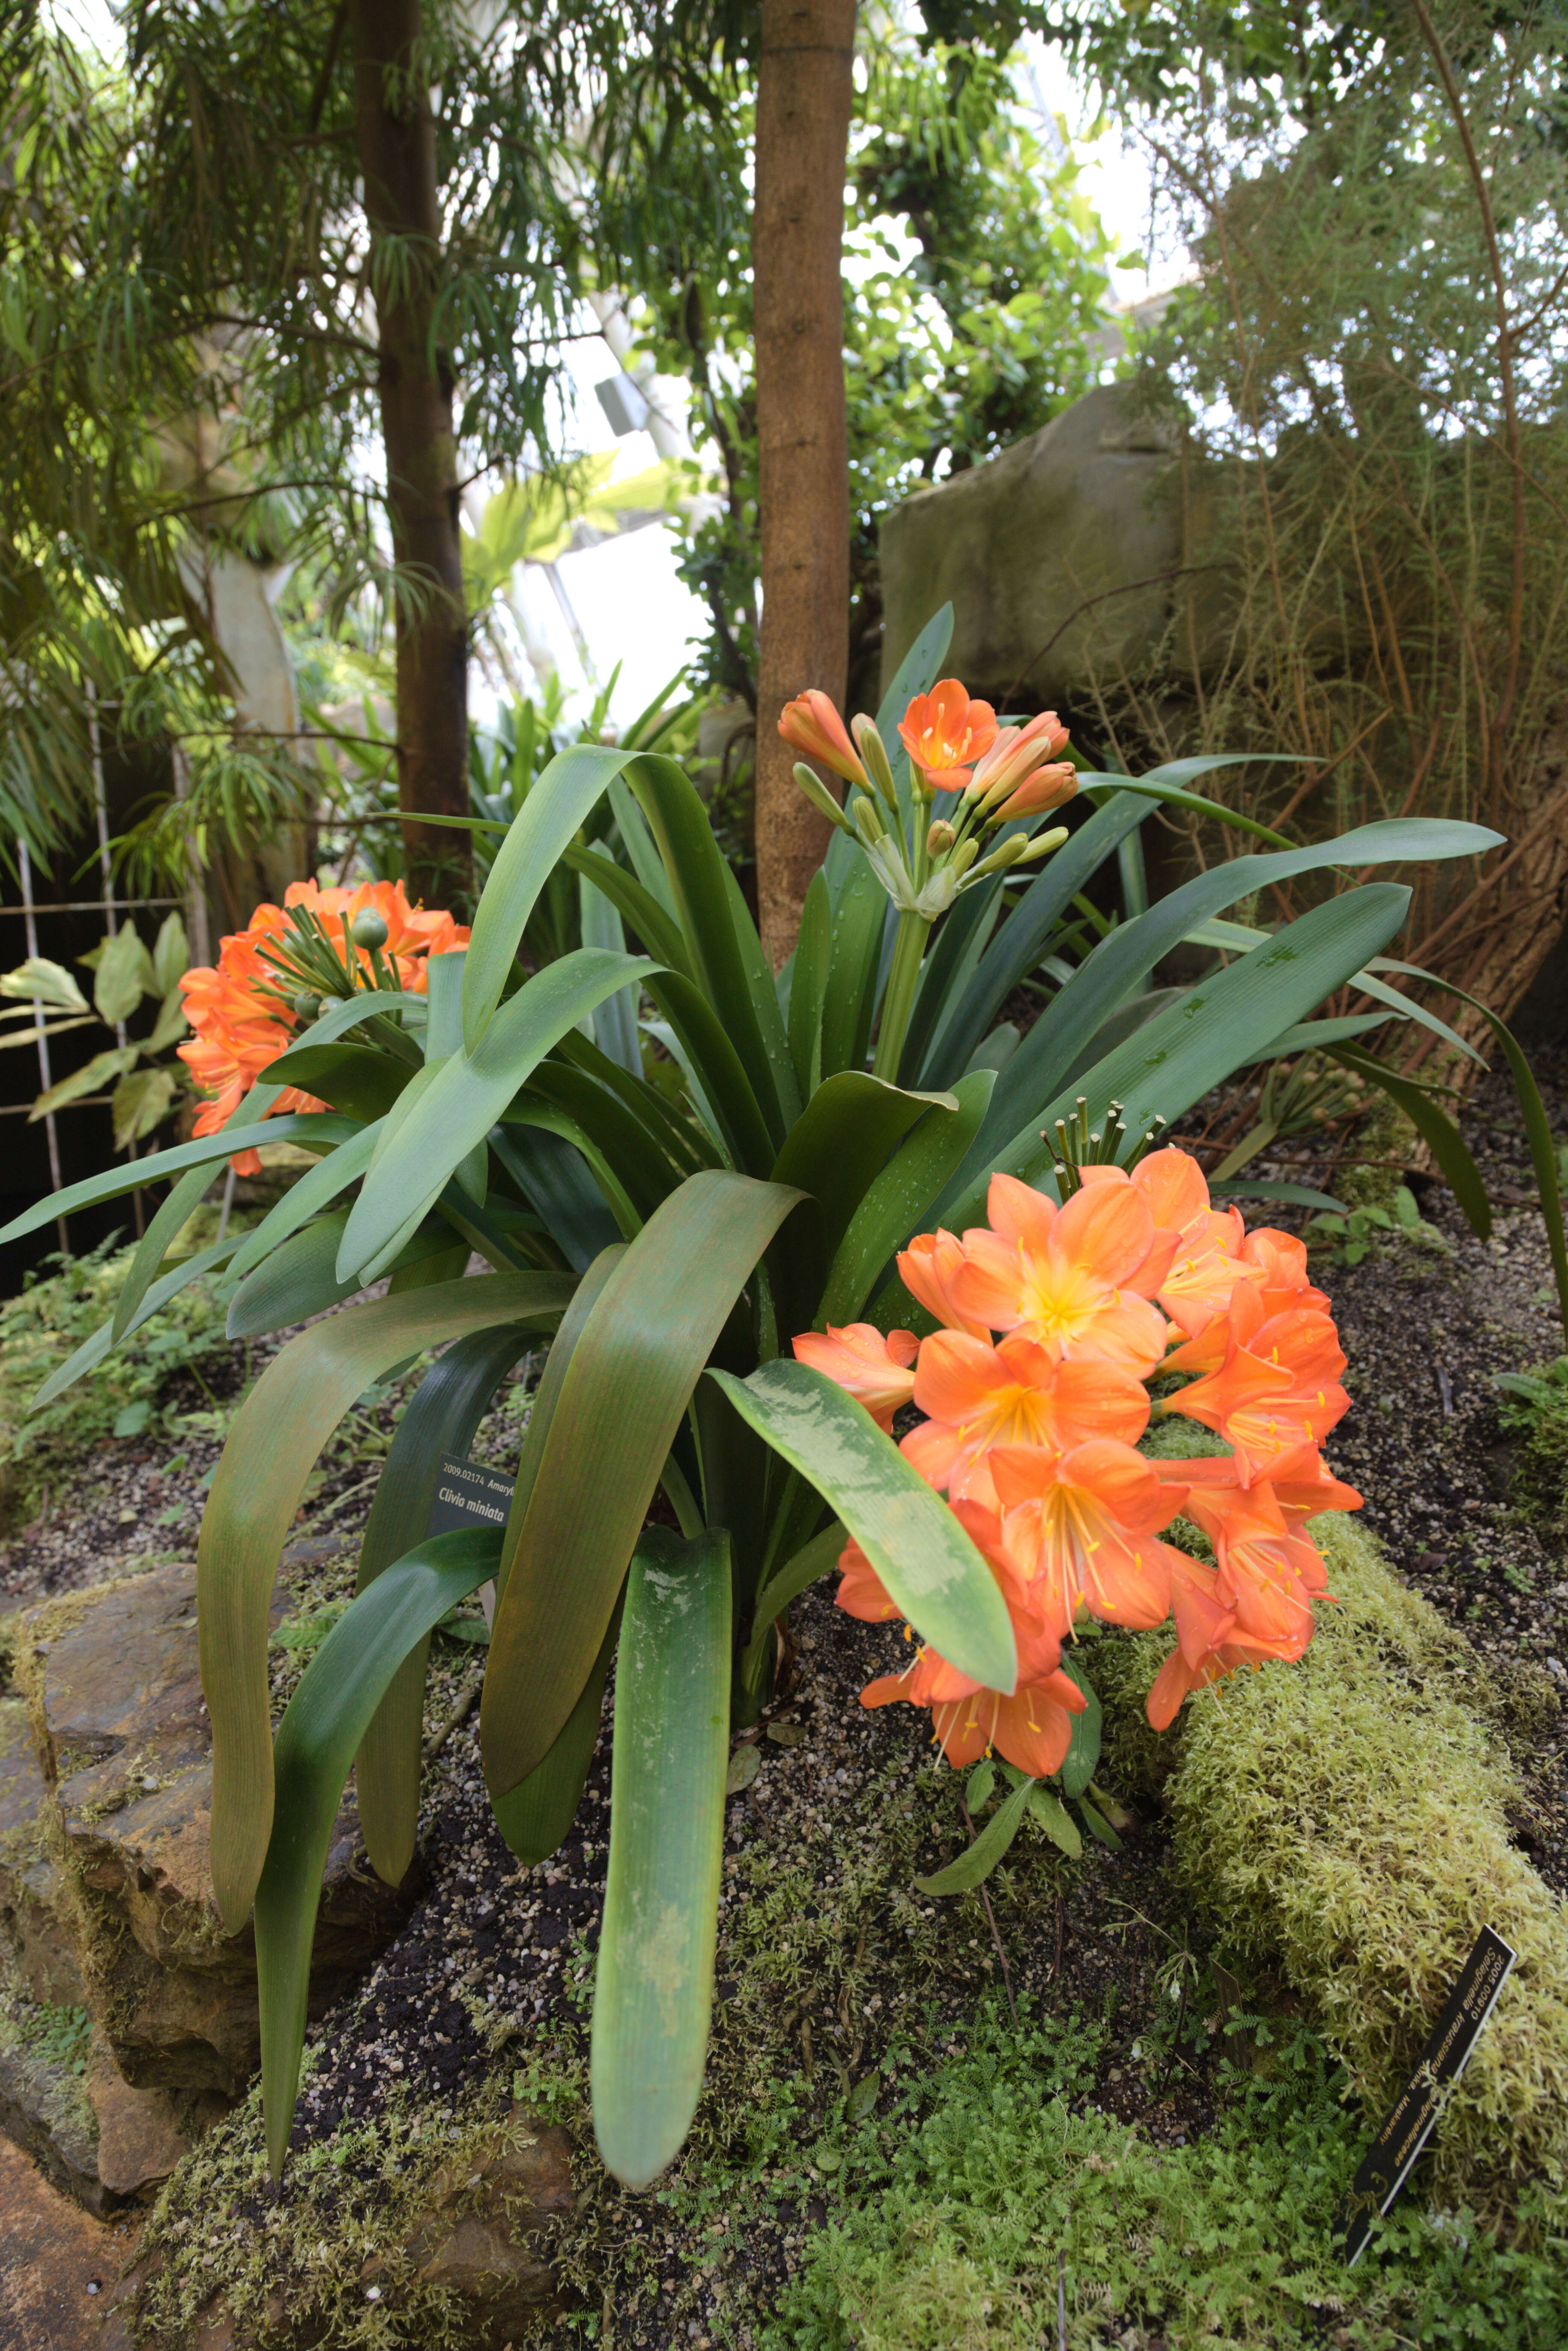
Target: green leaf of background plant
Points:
(1437, 1130)
(622, 1399)
(894, 1204)
(977, 1861)
(323, 1723)
(1084, 1746)
(307, 1198)
(808, 985)
(171, 1217)
(277, 1434)
(91, 1352)
(653, 1984)
(930, 1568)
(301, 1126)
(123, 975)
(742, 1128)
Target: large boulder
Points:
(122, 1735)
(1064, 557)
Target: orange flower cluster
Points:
(1034, 1401)
(240, 1014)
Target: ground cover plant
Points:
(674, 1239)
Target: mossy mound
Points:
(1348, 1818)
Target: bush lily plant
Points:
(675, 1222)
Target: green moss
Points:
(996, 2178)
(1348, 1817)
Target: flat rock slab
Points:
(58, 2265)
(117, 1716)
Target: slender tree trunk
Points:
(396, 135)
(803, 98)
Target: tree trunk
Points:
(396, 135)
(803, 97)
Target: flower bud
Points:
(940, 838)
(368, 930)
(963, 858)
(1043, 843)
(821, 797)
(868, 820)
(811, 725)
(874, 753)
(1046, 789)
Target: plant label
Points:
(1387, 2162)
(468, 1494)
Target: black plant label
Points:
(468, 1494)
(1388, 2161)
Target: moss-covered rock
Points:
(1348, 1817)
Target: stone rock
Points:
(492, 2256)
(33, 1920)
(115, 1697)
(142, 2134)
(1094, 507)
(57, 2265)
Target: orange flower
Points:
(979, 1396)
(1275, 1264)
(1082, 1527)
(811, 726)
(944, 732)
(875, 1369)
(241, 1013)
(1276, 1388)
(1078, 1278)
(1208, 1261)
(1180, 1674)
(1031, 1725)
(928, 1269)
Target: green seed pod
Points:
(368, 930)
(306, 1007)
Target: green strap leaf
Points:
(708, 1046)
(313, 1191)
(1084, 1746)
(174, 1214)
(701, 884)
(547, 1397)
(977, 1863)
(550, 816)
(893, 1207)
(809, 987)
(534, 1816)
(1123, 959)
(553, 1173)
(356, 1079)
(931, 1570)
(441, 1418)
(621, 1401)
(843, 1140)
(658, 929)
(322, 1725)
(311, 1129)
(298, 1279)
(859, 916)
(468, 1093)
(811, 1562)
(653, 1988)
(1217, 1026)
(764, 994)
(278, 1433)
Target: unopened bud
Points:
(821, 797)
(368, 930)
(868, 820)
(964, 857)
(940, 838)
(874, 755)
(1043, 843)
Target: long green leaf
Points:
(713, 920)
(544, 825)
(552, 1175)
(1019, 944)
(298, 1279)
(891, 1208)
(843, 1140)
(624, 1397)
(150, 1249)
(976, 1863)
(930, 1568)
(536, 1816)
(653, 1988)
(547, 1397)
(1082, 1755)
(468, 1092)
(1122, 961)
(357, 1079)
(1223, 1022)
(440, 1418)
(710, 1048)
(1538, 1134)
(809, 987)
(322, 1725)
(860, 914)
(277, 1434)
(811, 1562)
(307, 1198)
(311, 1129)
(660, 933)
